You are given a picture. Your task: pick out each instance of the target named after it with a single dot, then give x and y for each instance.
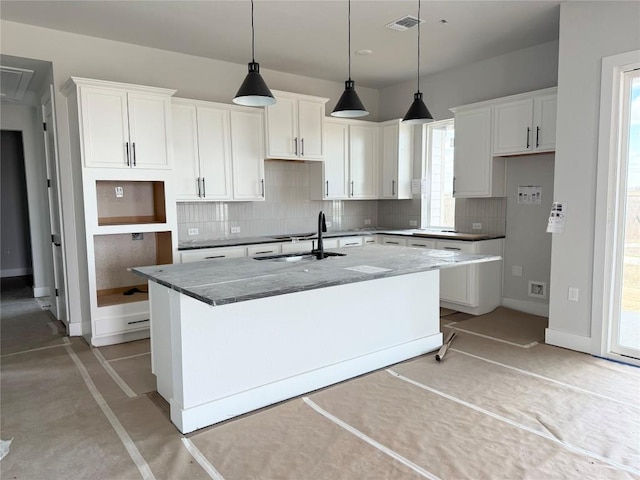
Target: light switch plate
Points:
(573, 294)
(119, 192)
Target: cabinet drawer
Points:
(263, 249)
(398, 241)
(465, 247)
(350, 242)
(370, 240)
(113, 325)
(212, 254)
(424, 243)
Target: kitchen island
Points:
(235, 335)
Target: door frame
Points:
(607, 189)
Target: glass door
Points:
(625, 338)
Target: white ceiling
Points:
(309, 37)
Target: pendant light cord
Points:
(349, 40)
(253, 37)
(419, 21)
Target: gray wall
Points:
(588, 32)
(528, 245)
(15, 241)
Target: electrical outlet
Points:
(516, 270)
(572, 296)
(476, 226)
(328, 224)
(235, 229)
(119, 192)
(137, 236)
(194, 231)
(367, 221)
(413, 223)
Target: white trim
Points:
(606, 188)
(508, 421)
(15, 272)
(75, 329)
(40, 292)
(201, 459)
(526, 306)
(567, 340)
(354, 431)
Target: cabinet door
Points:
(363, 165)
(282, 136)
(544, 122)
(185, 152)
(247, 152)
(105, 128)
(389, 161)
(456, 282)
(472, 153)
(336, 162)
(215, 154)
(512, 127)
(149, 130)
(421, 242)
(397, 241)
(310, 129)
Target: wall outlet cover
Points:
(413, 223)
(573, 294)
(476, 226)
(367, 221)
(193, 231)
(137, 236)
(119, 192)
(235, 229)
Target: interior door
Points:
(58, 294)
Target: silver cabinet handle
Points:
(126, 148)
(327, 187)
(528, 132)
(262, 185)
(295, 144)
(393, 187)
(133, 148)
(537, 137)
(302, 147)
(265, 251)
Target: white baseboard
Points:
(75, 329)
(567, 340)
(533, 308)
(40, 292)
(15, 272)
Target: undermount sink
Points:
(300, 236)
(297, 257)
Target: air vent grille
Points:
(404, 23)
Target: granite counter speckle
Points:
(233, 280)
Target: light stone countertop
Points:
(225, 281)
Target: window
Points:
(438, 205)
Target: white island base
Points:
(213, 363)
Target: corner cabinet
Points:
(123, 125)
(295, 127)
(218, 151)
(396, 163)
(124, 212)
(525, 123)
(476, 173)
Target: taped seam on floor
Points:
(201, 459)
(116, 378)
(126, 440)
(416, 468)
(65, 341)
(542, 377)
(127, 358)
(528, 345)
(521, 426)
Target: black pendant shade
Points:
(349, 105)
(418, 112)
(254, 91)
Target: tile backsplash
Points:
(490, 212)
(287, 209)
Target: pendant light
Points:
(418, 112)
(254, 91)
(349, 105)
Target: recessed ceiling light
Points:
(364, 51)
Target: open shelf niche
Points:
(116, 253)
(130, 202)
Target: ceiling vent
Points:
(404, 23)
(14, 82)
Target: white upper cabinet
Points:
(475, 172)
(295, 127)
(218, 151)
(525, 123)
(123, 126)
(396, 163)
(363, 162)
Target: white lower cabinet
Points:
(391, 240)
(477, 288)
(421, 242)
(350, 242)
(263, 249)
(212, 254)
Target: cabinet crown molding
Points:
(74, 82)
(509, 98)
(299, 96)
